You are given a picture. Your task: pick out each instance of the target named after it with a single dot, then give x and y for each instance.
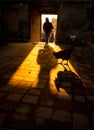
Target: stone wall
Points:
(21, 24)
(15, 21)
(71, 20)
(35, 25)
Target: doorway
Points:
(53, 20)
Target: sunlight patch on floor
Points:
(29, 71)
(69, 67)
(60, 67)
(29, 68)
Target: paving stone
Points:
(64, 95)
(44, 112)
(65, 105)
(61, 115)
(30, 99)
(53, 108)
(16, 77)
(41, 85)
(89, 83)
(65, 90)
(90, 97)
(19, 117)
(21, 72)
(23, 108)
(80, 122)
(2, 116)
(38, 120)
(14, 121)
(14, 97)
(90, 91)
(8, 106)
(19, 90)
(38, 85)
(33, 73)
(25, 84)
(91, 106)
(7, 89)
(14, 82)
(79, 107)
(79, 98)
(29, 79)
(47, 102)
(34, 91)
(7, 86)
(3, 95)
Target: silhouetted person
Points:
(47, 26)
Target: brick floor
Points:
(37, 93)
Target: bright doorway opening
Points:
(53, 20)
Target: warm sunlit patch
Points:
(64, 95)
(25, 71)
(73, 70)
(56, 48)
(28, 73)
(35, 83)
(13, 82)
(54, 72)
(69, 67)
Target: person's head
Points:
(47, 19)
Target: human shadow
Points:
(69, 81)
(46, 62)
(65, 64)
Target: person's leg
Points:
(47, 36)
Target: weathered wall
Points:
(35, 25)
(15, 21)
(21, 24)
(23, 21)
(10, 19)
(71, 20)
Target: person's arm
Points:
(44, 26)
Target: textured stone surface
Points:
(44, 112)
(38, 93)
(30, 99)
(14, 97)
(34, 91)
(63, 116)
(83, 122)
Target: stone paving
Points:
(38, 93)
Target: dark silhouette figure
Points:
(47, 26)
(64, 54)
(73, 82)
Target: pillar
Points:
(60, 31)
